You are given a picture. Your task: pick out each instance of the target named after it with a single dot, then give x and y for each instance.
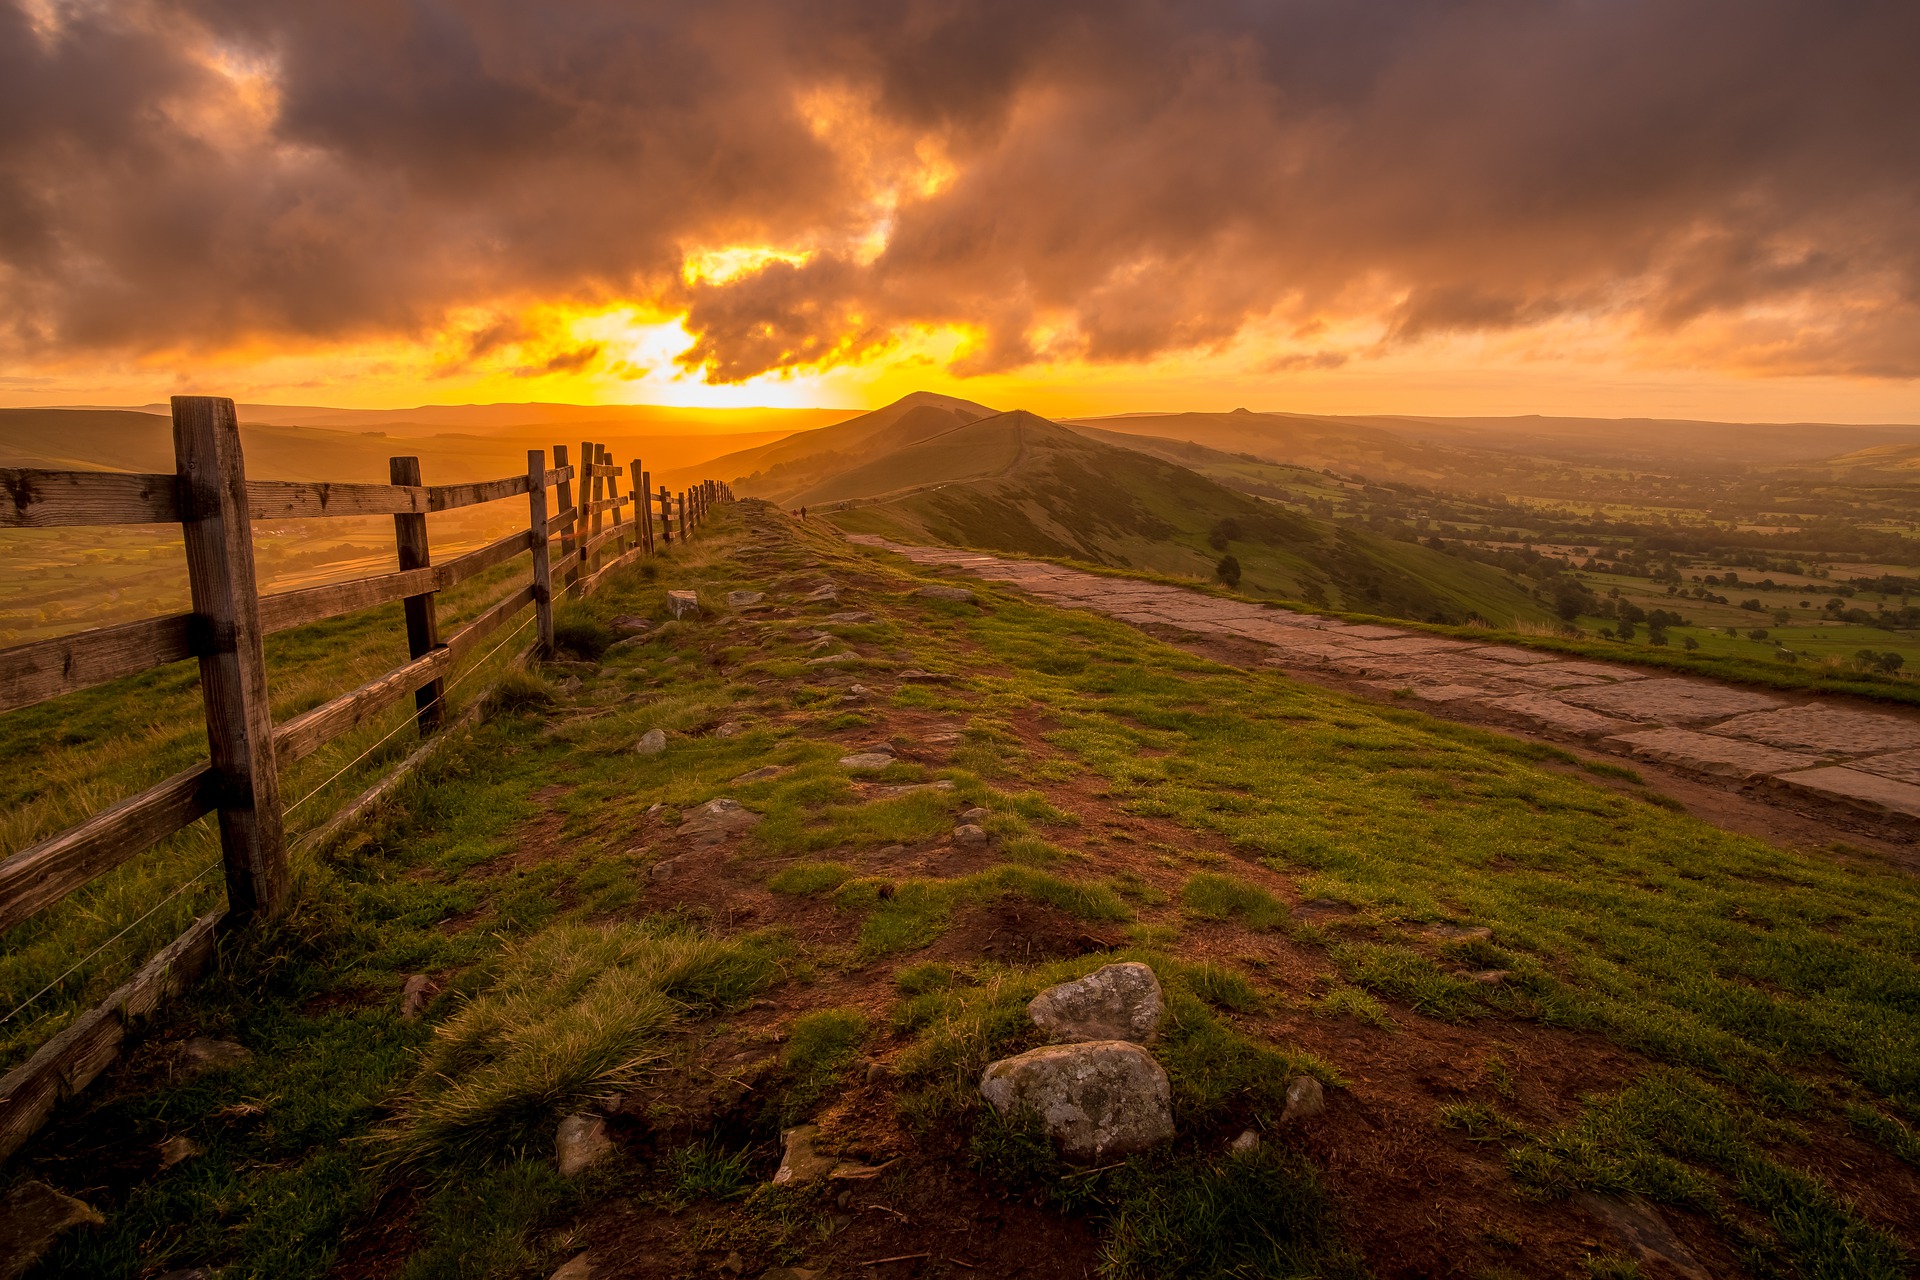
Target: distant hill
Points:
(1017, 482)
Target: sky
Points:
(1701, 208)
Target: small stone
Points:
(683, 604)
(667, 869)
(832, 659)
(799, 1162)
(857, 692)
(1115, 1002)
(178, 1149)
(877, 1073)
(967, 833)
(414, 996)
(731, 729)
(733, 1263)
(1458, 932)
(718, 820)
(736, 599)
(1100, 1099)
(828, 594)
(850, 617)
(913, 675)
(630, 624)
(578, 1267)
(655, 809)
(763, 773)
(651, 743)
(976, 815)
(33, 1217)
(867, 760)
(851, 1172)
(1247, 1141)
(1645, 1233)
(580, 1142)
(1489, 977)
(1305, 1097)
(881, 746)
(202, 1054)
(958, 594)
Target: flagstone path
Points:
(1800, 745)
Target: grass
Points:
(1775, 992)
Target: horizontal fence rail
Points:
(598, 528)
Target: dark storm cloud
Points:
(1128, 177)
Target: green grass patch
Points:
(810, 877)
(1213, 896)
(820, 1048)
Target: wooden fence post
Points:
(613, 495)
(218, 531)
(537, 527)
(568, 532)
(642, 524)
(590, 486)
(666, 517)
(423, 626)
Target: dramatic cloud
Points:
(1728, 184)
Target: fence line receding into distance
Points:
(598, 528)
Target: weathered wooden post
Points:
(218, 529)
(537, 529)
(666, 517)
(613, 496)
(423, 627)
(590, 487)
(642, 519)
(570, 530)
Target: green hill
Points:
(787, 469)
(1017, 482)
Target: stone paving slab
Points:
(1901, 766)
(1448, 692)
(1709, 754)
(1365, 632)
(1410, 644)
(1839, 731)
(1546, 712)
(1552, 675)
(1504, 653)
(1855, 788)
(1604, 670)
(1672, 701)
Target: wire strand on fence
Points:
(82, 961)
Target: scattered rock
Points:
(1644, 1232)
(799, 1162)
(667, 868)
(976, 815)
(683, 604)
(868, 760)
(825, 595)
(1322, 909)
(578, 1267)
(1099, 1099)
(733, 1263)
(1305, 1097)
(967, 833)
(414, 996)
(735, 599)
(718, 820)
(580, 1142)
(1116, 1002)
(884, 791)
(832, 659)
(858, 691)
(851, 1172)
(1458, 932)
(764, 772)
(178, 1149)
(651, 743)
(877, 1073)
(630, 624)
(850, 616)
(1247, 1141)
(33, 1217)
(913, 675)
(946, 593)
(1489, 977)
(655, 809)
(202, 1054)
(731, 729)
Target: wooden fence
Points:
(209, 496)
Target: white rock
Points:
(414, 996)
(976, 815)
(735, 599)
(1305, 1097)
(580, 1143)
(967, 833)
(651, 743)
(578, 1267)
(718, 820)
(867, 760)
(1100, 1099)
(683, 604)
(1116, 1002)
(798, 1160)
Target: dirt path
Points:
(1791, 766)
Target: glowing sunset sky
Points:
(1688, 207)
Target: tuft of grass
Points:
(1354, 1002)
(706, 1171)
(820, 1047)
(580, 634)
(1213, 896)
(518, 691)
(1608, 769)
(576, 1014)
(810, 877)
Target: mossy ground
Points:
(1729, 1029)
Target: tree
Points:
(1228, 571)
(1689, 643)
